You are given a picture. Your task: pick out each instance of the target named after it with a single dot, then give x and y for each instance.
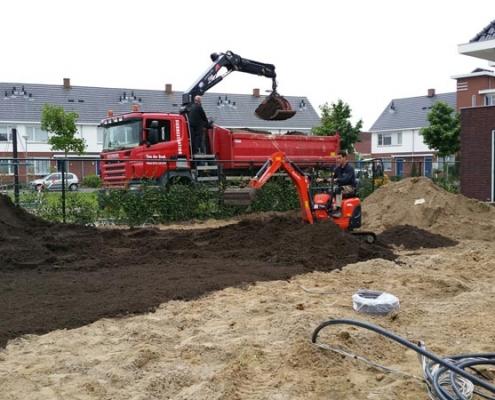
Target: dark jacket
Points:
(345, 175)
(197, 117)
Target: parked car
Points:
(54, 182)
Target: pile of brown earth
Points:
(420, 203)
(55, 276)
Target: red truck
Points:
(129, 157)
(157, 146)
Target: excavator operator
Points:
(344, 179)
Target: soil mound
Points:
(286, 239)
(413, 238)
(55, 276)
(421, 203)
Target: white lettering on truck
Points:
(178, 134)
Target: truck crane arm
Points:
(274, 107)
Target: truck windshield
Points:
(122, 136)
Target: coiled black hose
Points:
(437, 368)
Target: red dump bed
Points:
(240, 149)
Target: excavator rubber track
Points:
(275, 108)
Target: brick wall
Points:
(472, 86)
(477, 125)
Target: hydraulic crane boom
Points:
(275, 107)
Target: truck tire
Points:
(183, 178)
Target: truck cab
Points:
(143, 146)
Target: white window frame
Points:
(387, 164)
(489, 99)
(10, 166)
(99, 134)
(382, 137)
(9, 133)
(394, 139)
(35, 167)
(31, 132)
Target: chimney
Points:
(66, 83)
(256, 92)
(168, 88)
(109, 113)
(431, 92)
(135, 108)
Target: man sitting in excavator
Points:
(344, 179)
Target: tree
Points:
(62, 125)
(335, 119)
(443, 133)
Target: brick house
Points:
(396, 134)
(476, 103)
(363, 147)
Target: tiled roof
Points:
(92, 104)
(488, 33)
(410, 112)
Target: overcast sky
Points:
(364, 52)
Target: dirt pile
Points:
(56, 276)
(421, 203)
(413, 238)
(286, 239)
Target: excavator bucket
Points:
(275, 108)
(239, 196)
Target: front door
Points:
(428, 166)
(399, 167)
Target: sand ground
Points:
(254, 342)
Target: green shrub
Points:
(92, 181)
(80, 208)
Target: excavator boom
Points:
(272, 166)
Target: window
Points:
(99, 135)
(36, 134)
(163, 129)
(390, 139)
(384, 140)
(6, 167)
(39, 167)
(122, 135)
(5, 133)
(387, 164)
(490, 100)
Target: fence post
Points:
(16, 166)
(63, 189)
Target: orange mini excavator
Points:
(315, 206)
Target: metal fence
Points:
(30, 180)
